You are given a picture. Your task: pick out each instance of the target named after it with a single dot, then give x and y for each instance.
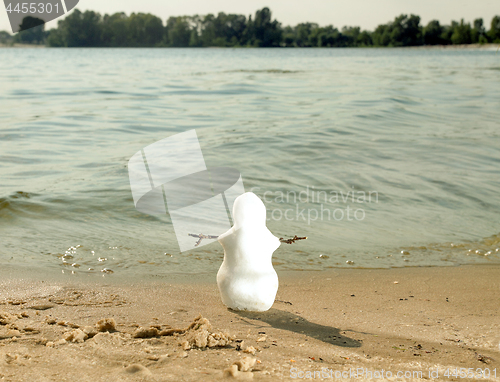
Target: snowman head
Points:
(248, 210)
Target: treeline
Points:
(90, 29)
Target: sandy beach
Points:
(342, 324)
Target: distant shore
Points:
(408, 320)
(22, 46)
(461, 46)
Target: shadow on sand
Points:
(280, 319)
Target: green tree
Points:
(350, 35)
(433, 33)
(288, 36)
(477, 31)
(115, 30)
(79, 30)
(32, 31)
(494, 32)
(462, 33)
(5, 38)
(448, 32)
(178, 31)
(267, 33)
(329, 36)
(364, 39)
(382, 35)
(55, 38)
(406, 31)
(302, 33)
(144, 30)
(223, 30)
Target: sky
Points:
(364, 13)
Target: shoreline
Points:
(488, 46)
(399, 319)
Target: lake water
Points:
(368, 152)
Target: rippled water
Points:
(399, 149)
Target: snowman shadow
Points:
(280, 319)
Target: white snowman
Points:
(246, 278)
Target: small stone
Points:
(245, 364)
(6, 318)
(9, 333)
(76, 335)
(106, 325)
(90, 331)
(231, 371)
(250, 350)
(145, 332)
(137, 369)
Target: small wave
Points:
(279, 71)
(16, 203)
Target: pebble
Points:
(75, 335)
(245, 364)
(137, 369)
(106, 325)
(145, 332)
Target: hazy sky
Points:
(365, 13)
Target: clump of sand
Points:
(80, 335)
(201, 335)
(75, 335)
(106, 325)
(241, 369)
(6, 318)
(146, 332)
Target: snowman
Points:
(246, 278)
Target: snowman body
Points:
(246, 278)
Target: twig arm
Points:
(201, 237)
(292, 240)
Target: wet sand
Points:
(354, 322)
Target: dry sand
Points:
(407, 320)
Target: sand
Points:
(350, 321)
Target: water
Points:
(408, 139)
